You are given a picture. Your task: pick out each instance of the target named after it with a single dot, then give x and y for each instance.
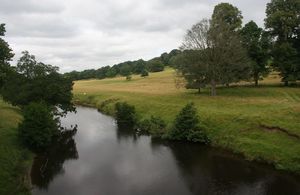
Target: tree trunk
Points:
(286, 83)
(199, 90)
(256, 79)
(213, 88)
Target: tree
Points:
(35, 82)
(145, 73)
(187, 126)
(155, 65)
(283, 23)
(257, 43)
(38, 127)
(140, 66)
(189, 66)
(231, 15)
(6, 56)
(221, 56)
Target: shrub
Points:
(128, 78)
(154, 126)
(38, 127)
(187, 126)
(144, 73)
(125, 114)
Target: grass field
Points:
(262, 123)
(14, 160)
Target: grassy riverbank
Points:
(15, 161)
(262, 123)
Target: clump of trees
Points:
(283, 24)
(39, 90)
(214, 53)
(140, 66)
(219, 51)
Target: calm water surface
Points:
(102, 160)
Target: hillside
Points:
(262, 123)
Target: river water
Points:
(101, 159)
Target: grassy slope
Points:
(234, 117)
(14, 160)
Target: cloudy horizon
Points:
(76, 36)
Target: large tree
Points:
(34, 82)
(6, 56)
(220, 53)
(283, 23)
(231, 15)
(257, 43)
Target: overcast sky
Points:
(83, 34)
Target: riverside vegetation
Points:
(262, 123)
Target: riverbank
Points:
(261, 123)
(15, 160)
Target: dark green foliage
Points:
(155, 65)
(140, 67)
(144, 73)
(38, 127)
(187, 126)
(228, 13)
(155, 126)
(126, 68)
(215, 56)
(6, 55)
(35, 82)
(126, 115)
(257, 43)
(283, 23)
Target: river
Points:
(101, 159)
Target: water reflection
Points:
(211, 171)
(48, 165)
(118, 161)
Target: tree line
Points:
(127, 68)
(220, 51)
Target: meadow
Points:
(14, 159)
(261, 123)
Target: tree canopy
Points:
(257, 43)
(34, 82)
(283, 23)
(6, 56)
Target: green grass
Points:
(235, 117)
(14, 159)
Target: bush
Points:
(154, 126)
(187, 126)
(128, 78)
(144, 73)
(38, 127)
(125, 114)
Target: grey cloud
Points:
(76, 34)
(29, 6)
